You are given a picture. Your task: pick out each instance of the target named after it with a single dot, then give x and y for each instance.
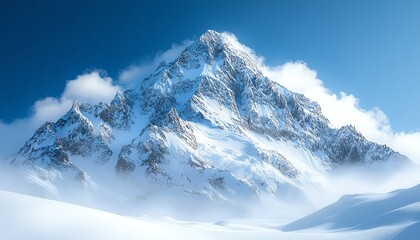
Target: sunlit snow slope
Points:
(358, 212)
(25, 217)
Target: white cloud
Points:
(90, 87)
(136, 72)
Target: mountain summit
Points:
(208, 123)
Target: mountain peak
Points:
(211, 36)
(210, 33)
(214, 45)
(75, 106)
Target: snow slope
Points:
(25, 217)
(368, 211)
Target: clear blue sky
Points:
(368, 48)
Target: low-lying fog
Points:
(125, 197)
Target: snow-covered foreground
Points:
(26, 217)
(399, 209)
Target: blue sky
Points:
(370, 49)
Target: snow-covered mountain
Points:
(208, 123)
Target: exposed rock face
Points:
(148, 150)
(182, 129)
(119, 113)
(208, 122)
(347, 146)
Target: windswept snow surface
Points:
(377, 216)
(358, 212)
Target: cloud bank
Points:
(90, 87)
